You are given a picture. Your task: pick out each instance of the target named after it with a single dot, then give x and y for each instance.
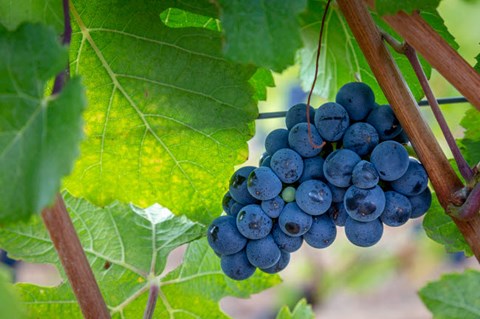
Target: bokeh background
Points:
(344, 281)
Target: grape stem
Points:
(410, 53)
(61, 230)
(444, 180)
(307, 107)
(152, 301)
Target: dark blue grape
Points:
(390, 159)
(287, 164)
(299, 140)
(360, 138)
(235, 209)
(266, 161)
(253, 223)
(338, 167)
(414, 181)
(364, 205)
(263, 253)
(281, 264)
(337, 192)
(263, 184)
(365, 175)
(357, 98)
(224, 237)
(297, 114)
(286, 242)
(363, 234)
(331, 120)
(228, 202)
(420, 203)
(273, 207)
(313, 197)
(276, 140)
(322, 233)
(397, 209)
(237, 266)
(338, 214)
(293, 221)
(238, 186)
(312, 169)
(385, 122)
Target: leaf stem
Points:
(444, 180)
(152, 301)
(74, 261)
(463, 166)
(307, 107)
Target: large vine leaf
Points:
(454, 296)
(440, 228)
(341, 60)
(388, 7)
(127, 248)
(169, 115)
(39, 135)
(263, 33)
(17, 12)
(470, 143)
(302, 310)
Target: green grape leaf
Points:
(263, 33)
(10, 304)
(170, 116)
(127, 248)
(39, 135)
(390, 7)
(262, 79)
(17, 12)
(440, 228)
(470, 143)
(301, 311)
(454, 296)
(341, 60)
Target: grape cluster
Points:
(362, 178)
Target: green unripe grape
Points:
(288, 194)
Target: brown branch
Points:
(74, 261)
(443, 178)
(420, 35)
